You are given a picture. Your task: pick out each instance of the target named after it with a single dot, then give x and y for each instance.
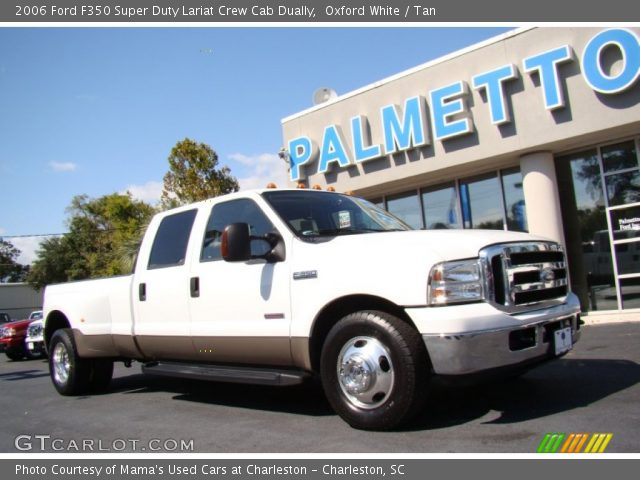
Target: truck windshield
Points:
(321, 214)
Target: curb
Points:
(611, 317)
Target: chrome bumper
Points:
(478, 350)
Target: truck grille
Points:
(522, 276)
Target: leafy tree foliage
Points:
(100, 230)
(194, 175)
(10, 269)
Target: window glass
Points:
(619, 156)
(313, 214)
(481, 203)
(585, 228)
(623, 188)
(378, 202)
(514, 200)
(223, 214)
(406, 207)
(170, 245)
(441, 207)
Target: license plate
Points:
(562, 340)
(30, 345)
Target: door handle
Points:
(142, 292)
(194, 285)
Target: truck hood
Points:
(447, 244)
(17, 325)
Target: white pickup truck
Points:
(273, 286)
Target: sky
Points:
(97, 110)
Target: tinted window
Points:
(407, 208)
(440, 207)
(170, 245)
(314, 214)
(481, 203)
(514, 199)
(223, 214)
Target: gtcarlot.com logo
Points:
(574, 442)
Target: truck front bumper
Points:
(473, 338)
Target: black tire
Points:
(396, 367)
(15, 354)
(70, 374)
(101, 373)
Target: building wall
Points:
(586, 117)
(19, 299)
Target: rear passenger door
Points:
(161, 289)
(241, 311)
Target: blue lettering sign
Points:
(333, 149)
(411, 132)
(300, 153)
(627, 42)
(546, 64)
(446, 102)
(362, 148)
(493, 84)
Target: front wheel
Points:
(374, 369)
(15, 354)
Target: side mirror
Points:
(236, 243)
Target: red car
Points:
(12, 337)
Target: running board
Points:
(229, 374)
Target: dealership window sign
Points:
(406, 127)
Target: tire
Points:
(101, 373)
(70, 374)
(375, 370)
(15, 354)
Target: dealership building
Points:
(537, 130)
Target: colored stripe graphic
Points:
(574, 442)
(550, 443)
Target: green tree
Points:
(10, 269)
(193, 175)
(101, 239)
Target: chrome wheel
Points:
(61, 363)
(365, 372)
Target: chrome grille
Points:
(522, 276)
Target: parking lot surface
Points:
(595, 388)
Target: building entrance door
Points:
(624, 237)
(599, 192)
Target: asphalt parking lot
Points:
(595, 388)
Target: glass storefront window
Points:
(619, 157)
(440, 206)
(582, 197)
(407, 208)
(516, 211)
(482, 203)
(623, 188)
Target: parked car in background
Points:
(34, 342)
(4, 318)
(12, 336)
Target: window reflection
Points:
(441, 207)
(619, 157)
(407, 208)
(481, 203)
(516, 211)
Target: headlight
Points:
(455, 282)
(8, 332)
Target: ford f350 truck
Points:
(274, 286)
